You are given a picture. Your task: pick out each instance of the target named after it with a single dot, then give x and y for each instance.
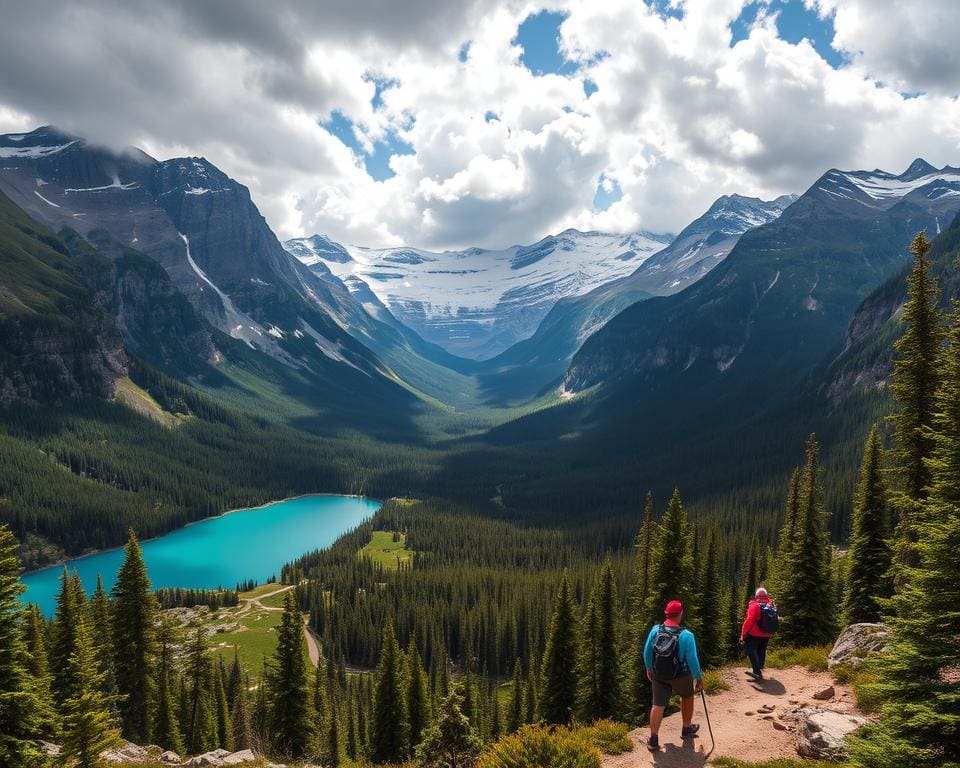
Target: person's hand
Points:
(649, 675)
(699, 686)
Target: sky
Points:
(494, 122)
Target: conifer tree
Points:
(598, 692)
(390, 727)
(643, 549)
(224, 724)
(515, 713)
(37, 661)
(450, 742)
(530, 698)
(25, 716)
(134, 642)
(71, 606)
(558, 677)
(333, 749)
(418, 697)
(868, 560)
(735, 615)
(712, 621)
(290, 720)
(88, 728)
(807, 601)
(240, 719)
(321, 702)
(166, 726)
(200, 722)
(753, 570)
(914, 383)
(260, 717)
(496, 716)
(672, 565)
(788, 533)
(235, 679)
(919, 722)
(102, 631)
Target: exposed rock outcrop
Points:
(821, 734)
(856, 642)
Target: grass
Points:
(274, 601)
(263, 589)
(253, 641)
(607, 736)
(139, 400)
(713, 682)
(813, 658)
(390, 554)
(780, 762)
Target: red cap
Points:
(674, 608)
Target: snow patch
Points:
(48, 202)
(33, 152)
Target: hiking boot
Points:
(754, 675)
(689, 731)
(653, 743)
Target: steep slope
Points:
(477, 302)
(56, 343)
(532, 364)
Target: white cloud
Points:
(680, 117)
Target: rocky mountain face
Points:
(530, 365)
(478, 302)
(56, 343)
(799, 278)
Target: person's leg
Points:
(656, 717)
(686, 710)
(752, 649)
(762, 652)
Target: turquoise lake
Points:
(221, 551)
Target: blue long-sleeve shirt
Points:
(687, 651)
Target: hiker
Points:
(761, 623)
(670, 657)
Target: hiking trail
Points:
(742, 728)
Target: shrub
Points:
(538, 746)
(780, 762)
(713, 682)
(813, 658)
(609, 737)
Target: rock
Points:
(128, 753)
(821, 733)
(749, 714)
(825, 694)
(208, 759)
(237, 758)
(856, 642)
(778, 726)
(170, 758)
(49, 748)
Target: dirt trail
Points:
(740, 728)
(313, 645)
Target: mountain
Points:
(476, 303)
(799, 277)
(530, 365)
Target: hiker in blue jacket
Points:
(670, 657)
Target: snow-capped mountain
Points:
(478, 302)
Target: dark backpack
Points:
(666, 653)
(769, 619)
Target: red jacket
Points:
(750, 623)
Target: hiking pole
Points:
(713, 742)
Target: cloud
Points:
(675, 117)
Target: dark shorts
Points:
(664, 689)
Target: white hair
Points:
(761, 592)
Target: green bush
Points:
(713, 682)
(813, 658)
(609, 737)
(780, 762)
(537, 746)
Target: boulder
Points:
(825, 694)
(212, 759)
(170, 758)
(238, 758)
(128, 753)
(856, 642)
(821, 734)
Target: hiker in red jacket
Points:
(761, 623)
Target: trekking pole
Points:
(713, 742)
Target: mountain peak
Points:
(918, 168)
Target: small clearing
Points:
(389, 549)
(741, 729)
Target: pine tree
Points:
(788, 534)
(291, 713)
(134, 642)
(88, 728)
(25, 715)
(914, 383)
(199, 721)
(807, 601)
(530, 702)
(260, 717)
(917, 677)
(672, 567)
(643, 546)
(598, 692)
(753, 571)
(418, 697)
(711, 636)
(450, 742)
(558, 677)
(37, 664)
(868, 560)
(515, 712)
(735, 616)
(321, 702)
(390, 727)
(240, 719)
(224, 724)
(495, 729)
(71, 607)
(102, 630)
(166, 726)
(333, 749)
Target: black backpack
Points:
(769, 620)
(666, 653)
